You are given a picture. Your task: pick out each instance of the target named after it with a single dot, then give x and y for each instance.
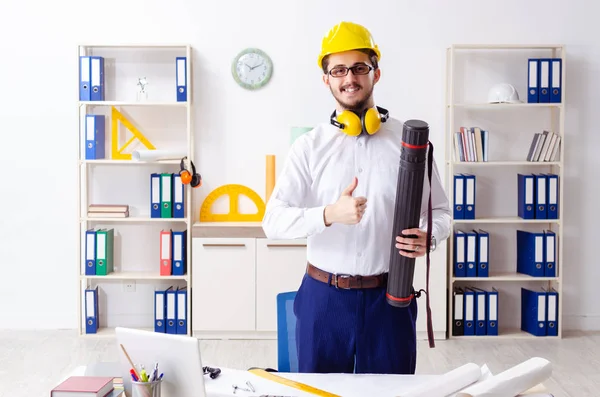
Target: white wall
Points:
(235, 128)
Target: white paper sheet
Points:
(158, 155)
(448, 383)
(513, 381)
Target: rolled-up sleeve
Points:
(287, 215)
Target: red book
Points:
(84, 386)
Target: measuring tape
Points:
(291, 383)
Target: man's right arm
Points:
(287, 215)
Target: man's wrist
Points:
(328, 215)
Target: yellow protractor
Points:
(234, 191)
(291, 383)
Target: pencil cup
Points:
(146, 389)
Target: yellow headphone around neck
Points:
(369, 121)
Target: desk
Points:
(342, 384)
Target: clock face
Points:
(252, 68)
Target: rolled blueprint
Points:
(513, 381)
(407, 213)
(158, 155)
(447, 384)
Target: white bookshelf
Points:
(126, 295)
(472, 69)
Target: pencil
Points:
(130, 362)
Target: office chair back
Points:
(287, 356)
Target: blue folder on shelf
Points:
(95, 137)
(85, 78)
(181, 295)
(91, 310)
(531, 253)
(526, 197)
(160, 308)
(459, 196)
(533, 312)
(483, 253)
(460, 247)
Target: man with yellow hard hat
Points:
(337, 189)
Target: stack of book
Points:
(544, 147)
(108, 211)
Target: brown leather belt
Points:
(346, 281)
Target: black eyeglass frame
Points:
(353, 68)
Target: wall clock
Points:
(252, 68)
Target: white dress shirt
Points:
(320, 165)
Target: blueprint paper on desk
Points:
(450, 382)
(515, 381)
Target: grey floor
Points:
(32, 362)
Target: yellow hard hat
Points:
(347, 36)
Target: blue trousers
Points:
(353, 331)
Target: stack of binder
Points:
(464, 196)
(539, 312)
(170, 311)
(475, 311)
(99, 252)
(173, 253)
(91, 78)
(167, 198)
(544, 83)
(471, 253)
(536, 253)
(537, 196)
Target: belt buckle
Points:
(342, 275)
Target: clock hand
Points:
(254, 67)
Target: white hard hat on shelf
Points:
(503, 93)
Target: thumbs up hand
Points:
(347, 210)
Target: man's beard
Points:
(358, 104)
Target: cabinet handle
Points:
(223, 245)
(285, 245)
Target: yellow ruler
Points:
(291, 383)
(117, 152)
(234, 191)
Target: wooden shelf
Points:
(129, 162)
(504, 163)
(125, 103)
(135, 276)
(134, 219)
(505, 219)
(109, 332)
(499, 106)
(509, 333)
(506, 276)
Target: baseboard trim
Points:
(579, 322)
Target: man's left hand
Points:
(418, 244)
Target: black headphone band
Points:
(334, 121)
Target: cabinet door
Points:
(437, 292)
(223, 295)
(280, 266)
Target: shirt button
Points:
(360, 170)
(359, 254)
(359, 143)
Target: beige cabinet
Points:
(280, 266)
(224, 284)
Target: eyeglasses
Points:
(357, 70)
